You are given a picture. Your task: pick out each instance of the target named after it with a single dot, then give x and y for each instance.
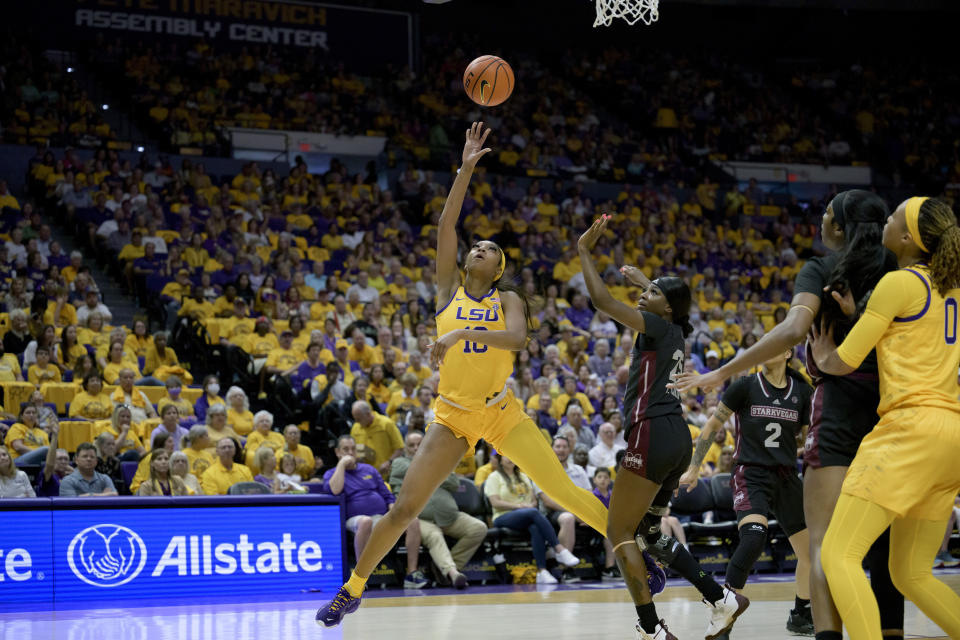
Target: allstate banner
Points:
(139, 551)
(366, 38)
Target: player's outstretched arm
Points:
(599, 294)
(448, 274)
(784, 336)
(513, 338)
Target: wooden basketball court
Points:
(578, 612)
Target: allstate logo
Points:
(107, 555)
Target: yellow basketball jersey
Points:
(919, 355)
(472, 372)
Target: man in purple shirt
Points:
(367, 499)
(579, 312)
(150, 263)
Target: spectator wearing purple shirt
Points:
(367, 500)
(228, 274)
(170, 417)
(56, 467)
(544, 419)
(579, 312)
(309, 368)
(150, 263)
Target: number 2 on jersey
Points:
(950, 320)
(476, 348)
(774, 429)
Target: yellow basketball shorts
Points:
(493, 423)
(909, 464)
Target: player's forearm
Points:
(458, 191)
(704, 442)
(508, 340)
(833, 365)
(766, 348)
(599, 294)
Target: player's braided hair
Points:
(940, 233)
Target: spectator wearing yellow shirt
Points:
(138, 342)
(261, 436)
(405, 399)
(707, 196)
(116, 363)
(133, 250)
(161, 361)
(262, 341)
(198, 450)
(239, 415)
(570, 393)
(224, 472)
(385, 343)
(416, 367)
(26, 441)
(174, 396)
(123, 429)
(60, 313)
(378, 433)
(484, 470)
(283, 359)
(302, 454)
(9, 366)
(509, 157)
(42, 371)
(6, 198)
(359, 351)
(378, 384)
(92, 403)
(174, 294)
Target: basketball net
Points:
(633, 11)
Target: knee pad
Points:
(753, 537)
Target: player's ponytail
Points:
(941, 235)
(678, 297)
(501, 285)
(863, 260)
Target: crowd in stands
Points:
(322, 286)
(41, 103)
(673, 110)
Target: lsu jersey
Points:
(915, 332)
(471, 372)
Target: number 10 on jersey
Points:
(474, 347)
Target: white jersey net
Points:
(633, 11)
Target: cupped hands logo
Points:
(107, 555)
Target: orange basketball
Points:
(488, 81)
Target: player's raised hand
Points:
(821, 342)
(634, 276)
(439, 348)
(589, 238)
(473, 148)
(684, 382)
